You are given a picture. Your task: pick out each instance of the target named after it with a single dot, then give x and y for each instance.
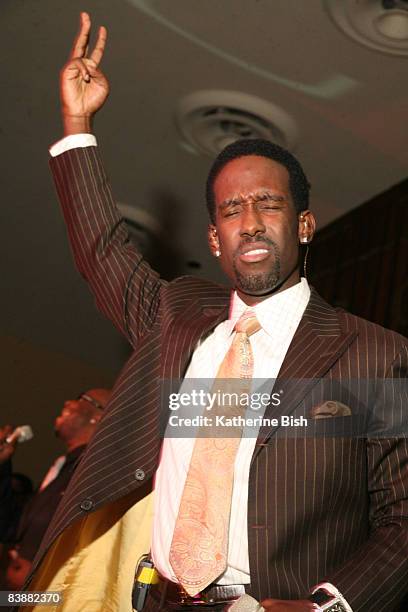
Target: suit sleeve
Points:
(125, 288)
(376, 576)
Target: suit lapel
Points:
(185, 331)
(317, 344)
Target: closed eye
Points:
(232, 209)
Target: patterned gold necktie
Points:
(198, 552)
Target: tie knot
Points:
(248, 323)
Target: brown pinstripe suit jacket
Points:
(332, 508)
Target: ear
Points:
(213, 240)
(96, 417)
(306, 226)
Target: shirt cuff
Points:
(331, 589)
(74, 141)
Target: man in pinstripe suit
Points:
(320, 509)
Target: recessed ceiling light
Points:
(394, 25)
(210, 120)
(378, 24)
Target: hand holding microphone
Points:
(23, 433)
(9, 439)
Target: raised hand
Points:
(83, 86)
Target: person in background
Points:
(74, 427)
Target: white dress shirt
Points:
(279, 317)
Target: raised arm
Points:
(125, 288)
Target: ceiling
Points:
(344, 106)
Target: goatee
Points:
(260, 283)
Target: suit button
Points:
(139, 474)
(86, 505)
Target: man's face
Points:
(71, 419)
(75, 416)
(256, 226)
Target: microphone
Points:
(23, 433)
(246, 603)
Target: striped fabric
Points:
(320, 508)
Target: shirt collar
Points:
(275, 314)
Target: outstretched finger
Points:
(81, 41)
(97, 53)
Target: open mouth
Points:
(254, 255)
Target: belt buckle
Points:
(192, 600)
(184, 597)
